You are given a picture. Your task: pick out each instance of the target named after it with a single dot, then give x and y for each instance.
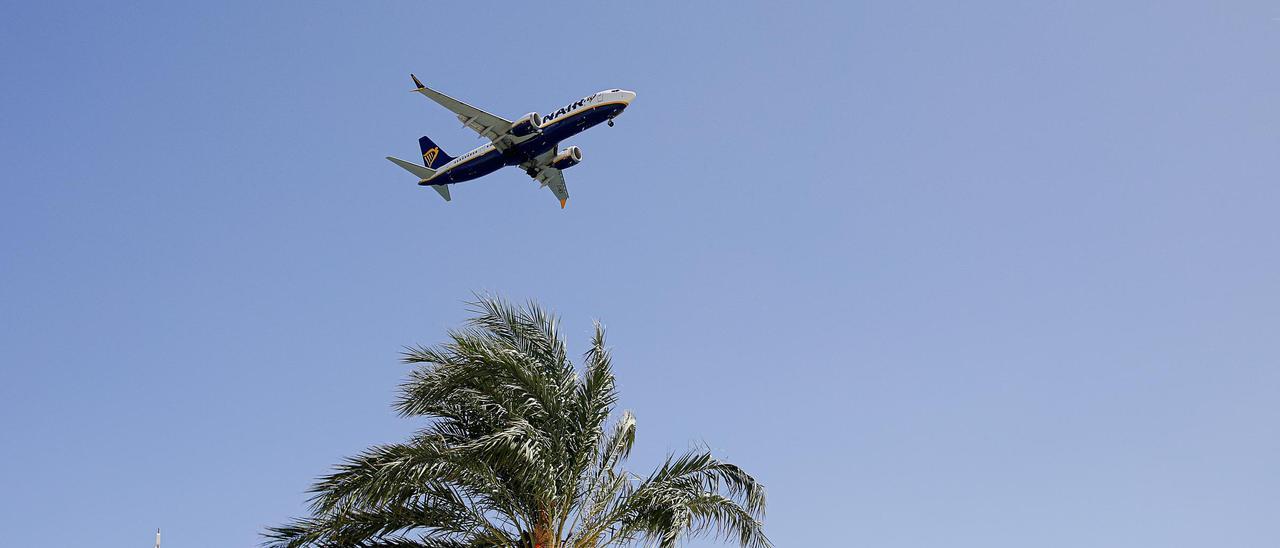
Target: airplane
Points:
(531, 141)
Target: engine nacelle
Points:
(567, 158)
(526, 125)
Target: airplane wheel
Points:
(610, 123)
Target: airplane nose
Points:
(628, 96)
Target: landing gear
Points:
(611, 122)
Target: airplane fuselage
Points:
(555, 127)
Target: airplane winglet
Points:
(417, 82)
(562, 201)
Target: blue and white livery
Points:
(531, 141)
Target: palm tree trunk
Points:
(544, 534)
(543, 537)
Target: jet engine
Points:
(526, 125)
(567, 158)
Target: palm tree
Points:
(518, 452)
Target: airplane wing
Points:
(487, 125)
(540, 169)
(554, 178)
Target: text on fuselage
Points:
(569, 108)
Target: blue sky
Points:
(938, 273)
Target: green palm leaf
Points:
(518, 451)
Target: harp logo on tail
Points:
(429, 157)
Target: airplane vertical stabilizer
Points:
(432, 155)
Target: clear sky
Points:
(974, 274)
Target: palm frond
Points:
(517, 450)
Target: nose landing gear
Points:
(611, 122)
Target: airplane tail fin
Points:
(432, 155)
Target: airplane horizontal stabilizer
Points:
(423, 173)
